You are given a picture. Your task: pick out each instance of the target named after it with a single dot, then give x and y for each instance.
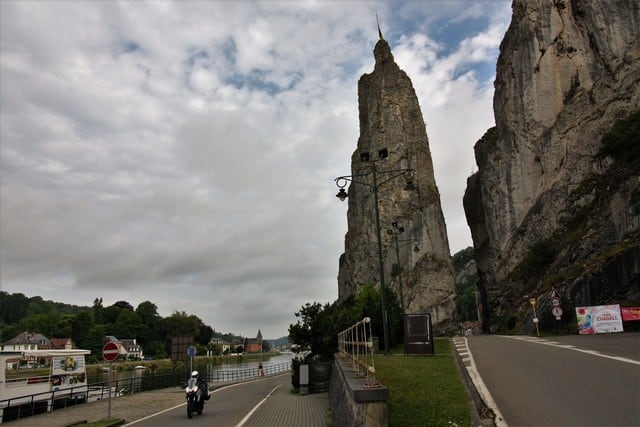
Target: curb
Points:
(482, 414)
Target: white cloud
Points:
(184, 152)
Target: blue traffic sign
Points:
(191, 351)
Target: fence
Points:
(355, 344)
(231, 375)
(26, 406)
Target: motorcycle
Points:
(196, 393)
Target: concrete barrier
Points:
(355, 402)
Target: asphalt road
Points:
(227, 407)
(561, 381)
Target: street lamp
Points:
(395, 232)
(388, 175)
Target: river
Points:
(206, 367)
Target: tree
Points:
(128, 325)
(205, 333)
(124, 305)
(97, 311)
(318, 327)
(13, 307)
(81, 326)
(461, 258)
(307, 332)
(180, 324)
(150, 336)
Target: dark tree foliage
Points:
(318, 326)
(88, 326)
(466, 291)
(124, 305)
(460, 259)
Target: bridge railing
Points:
(355, 345)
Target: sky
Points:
(184, 153)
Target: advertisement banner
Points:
(599, 319)
(630, 313)
(67, 372)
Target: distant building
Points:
(27, 341)
(127, 348)
(226, 347)
(62, 343)
(254, 345)
(133, 349)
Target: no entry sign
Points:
(110, 352)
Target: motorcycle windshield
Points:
(191, 383)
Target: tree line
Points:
(88, 326)
(318, 325)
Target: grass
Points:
(424, 390)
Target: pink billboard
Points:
(599, 319)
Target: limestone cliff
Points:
(390, 118)
(553, 204)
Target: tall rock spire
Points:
(390, 117)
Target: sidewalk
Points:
(282, 409)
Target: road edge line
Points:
(480, 386)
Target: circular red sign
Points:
(110, 351)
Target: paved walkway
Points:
(282, 409)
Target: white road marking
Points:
(213, 391)
(482, 388)
(572, 347)
(255, 408)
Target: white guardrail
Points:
(355, 345)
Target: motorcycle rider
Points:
(202, 386)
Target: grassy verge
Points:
(424, 390)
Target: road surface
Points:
(558, 381)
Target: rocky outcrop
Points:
(552, 204)
(390, 118)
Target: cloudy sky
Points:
(184, 152)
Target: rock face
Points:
(550, 207)
(390, 118)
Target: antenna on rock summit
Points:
(379, 31)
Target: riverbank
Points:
(96, 371)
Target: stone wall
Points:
(353, 404)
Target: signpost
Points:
(110, 352)
(191, 352)
(532, 301)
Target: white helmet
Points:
(194, 374)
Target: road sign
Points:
(555, 302)
(110, 351)
(191, 351)
(557, 311)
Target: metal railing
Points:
(29, 405)
(355, 346)
(230, 375)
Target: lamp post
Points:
(387, 175)
(395, 232)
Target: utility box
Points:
(418, 335)
(304, 379)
